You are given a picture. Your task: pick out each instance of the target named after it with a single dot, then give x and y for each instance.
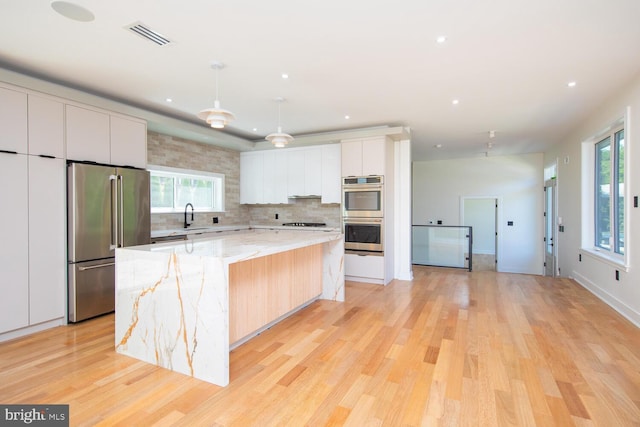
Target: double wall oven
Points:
(363, 213)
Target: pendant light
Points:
(279, 139)
(216, 116)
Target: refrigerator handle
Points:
(120, 212)
(113, 179)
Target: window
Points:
(172, 189)
(609, 193)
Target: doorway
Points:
(481, 213)
(550, 246)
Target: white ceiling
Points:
(507, 61)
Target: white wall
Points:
(517, 183)
(592, 272)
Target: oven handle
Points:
(362, 187)
(362, 220)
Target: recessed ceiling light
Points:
(72, 11)
(438, 146)
(255, 129)
(441, 39)
(571, 84)
(285, 76)
(347, 117)
(169, 100)
(455, 102)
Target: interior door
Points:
(549, 229)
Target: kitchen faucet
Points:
(187, 224)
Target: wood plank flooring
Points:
(448, 348)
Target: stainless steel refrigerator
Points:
(108, 208)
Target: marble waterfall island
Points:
(183, 305)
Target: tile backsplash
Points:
(171, 151)
(298, 210)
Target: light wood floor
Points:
(450, 347)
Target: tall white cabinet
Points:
(33, 221)
(14, 250)
(38, 133)
(363, 157)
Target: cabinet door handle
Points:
(46, 156)
(8, 152)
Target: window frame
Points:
(589, 191)
(218, 180)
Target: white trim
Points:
(613, 302)
(587, 235)
(217, 179)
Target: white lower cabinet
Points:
(14, 250)
(364, 268)
(47, 259)
(32, 254)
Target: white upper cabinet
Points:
(313, 171)
(13, 121)
(331, 178)
(295, 173)
(304, 172)
(373, 156)
(362, 157)
(46, 127)
(352, 158)
(98, 136)
(274, 177)
(251, 177)
(128, 142)
(87, 135)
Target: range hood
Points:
(310, 196)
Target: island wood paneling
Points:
(448, 348)
(263, 289)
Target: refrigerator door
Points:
(134, 207)
(90, 214)
(91, 290)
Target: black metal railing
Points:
(442, 245)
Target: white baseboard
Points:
(619, 306)
(17, 333)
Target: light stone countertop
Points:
(221, 228)
(236, 247)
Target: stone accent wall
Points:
(170, 151)
(298, 210)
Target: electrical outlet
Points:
(277, 216)
(215, 219)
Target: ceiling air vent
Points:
(147, 33)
